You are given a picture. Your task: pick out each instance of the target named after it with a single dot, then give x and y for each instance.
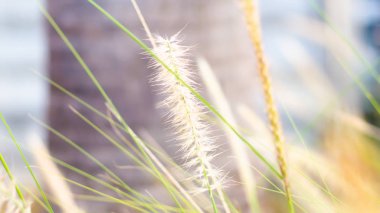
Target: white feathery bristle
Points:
(9, 200)
(184, 112)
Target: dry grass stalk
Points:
(253, 26)
(238, 149)
(143, 23)
(53, 177)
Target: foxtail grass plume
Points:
(184, 112)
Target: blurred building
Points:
(23, 49)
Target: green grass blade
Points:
(361, 86)
(46, 200)
(110, 139)
(333, 103)
(85, 153)
(357, 53)
(92, 77)
(107, 118)
(301, 138)
(119, 126)
(159, 153)
(139, 202)
(34, 197)
(105, 200)
(127, 203)
(109, 102)
(11, 177)
(153, 170)
(26, 163)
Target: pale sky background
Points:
(22, 51)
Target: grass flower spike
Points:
(185, 113)
(254, 30)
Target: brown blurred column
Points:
(214, 27)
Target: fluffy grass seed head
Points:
(185, 112)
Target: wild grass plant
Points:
(281, 178)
